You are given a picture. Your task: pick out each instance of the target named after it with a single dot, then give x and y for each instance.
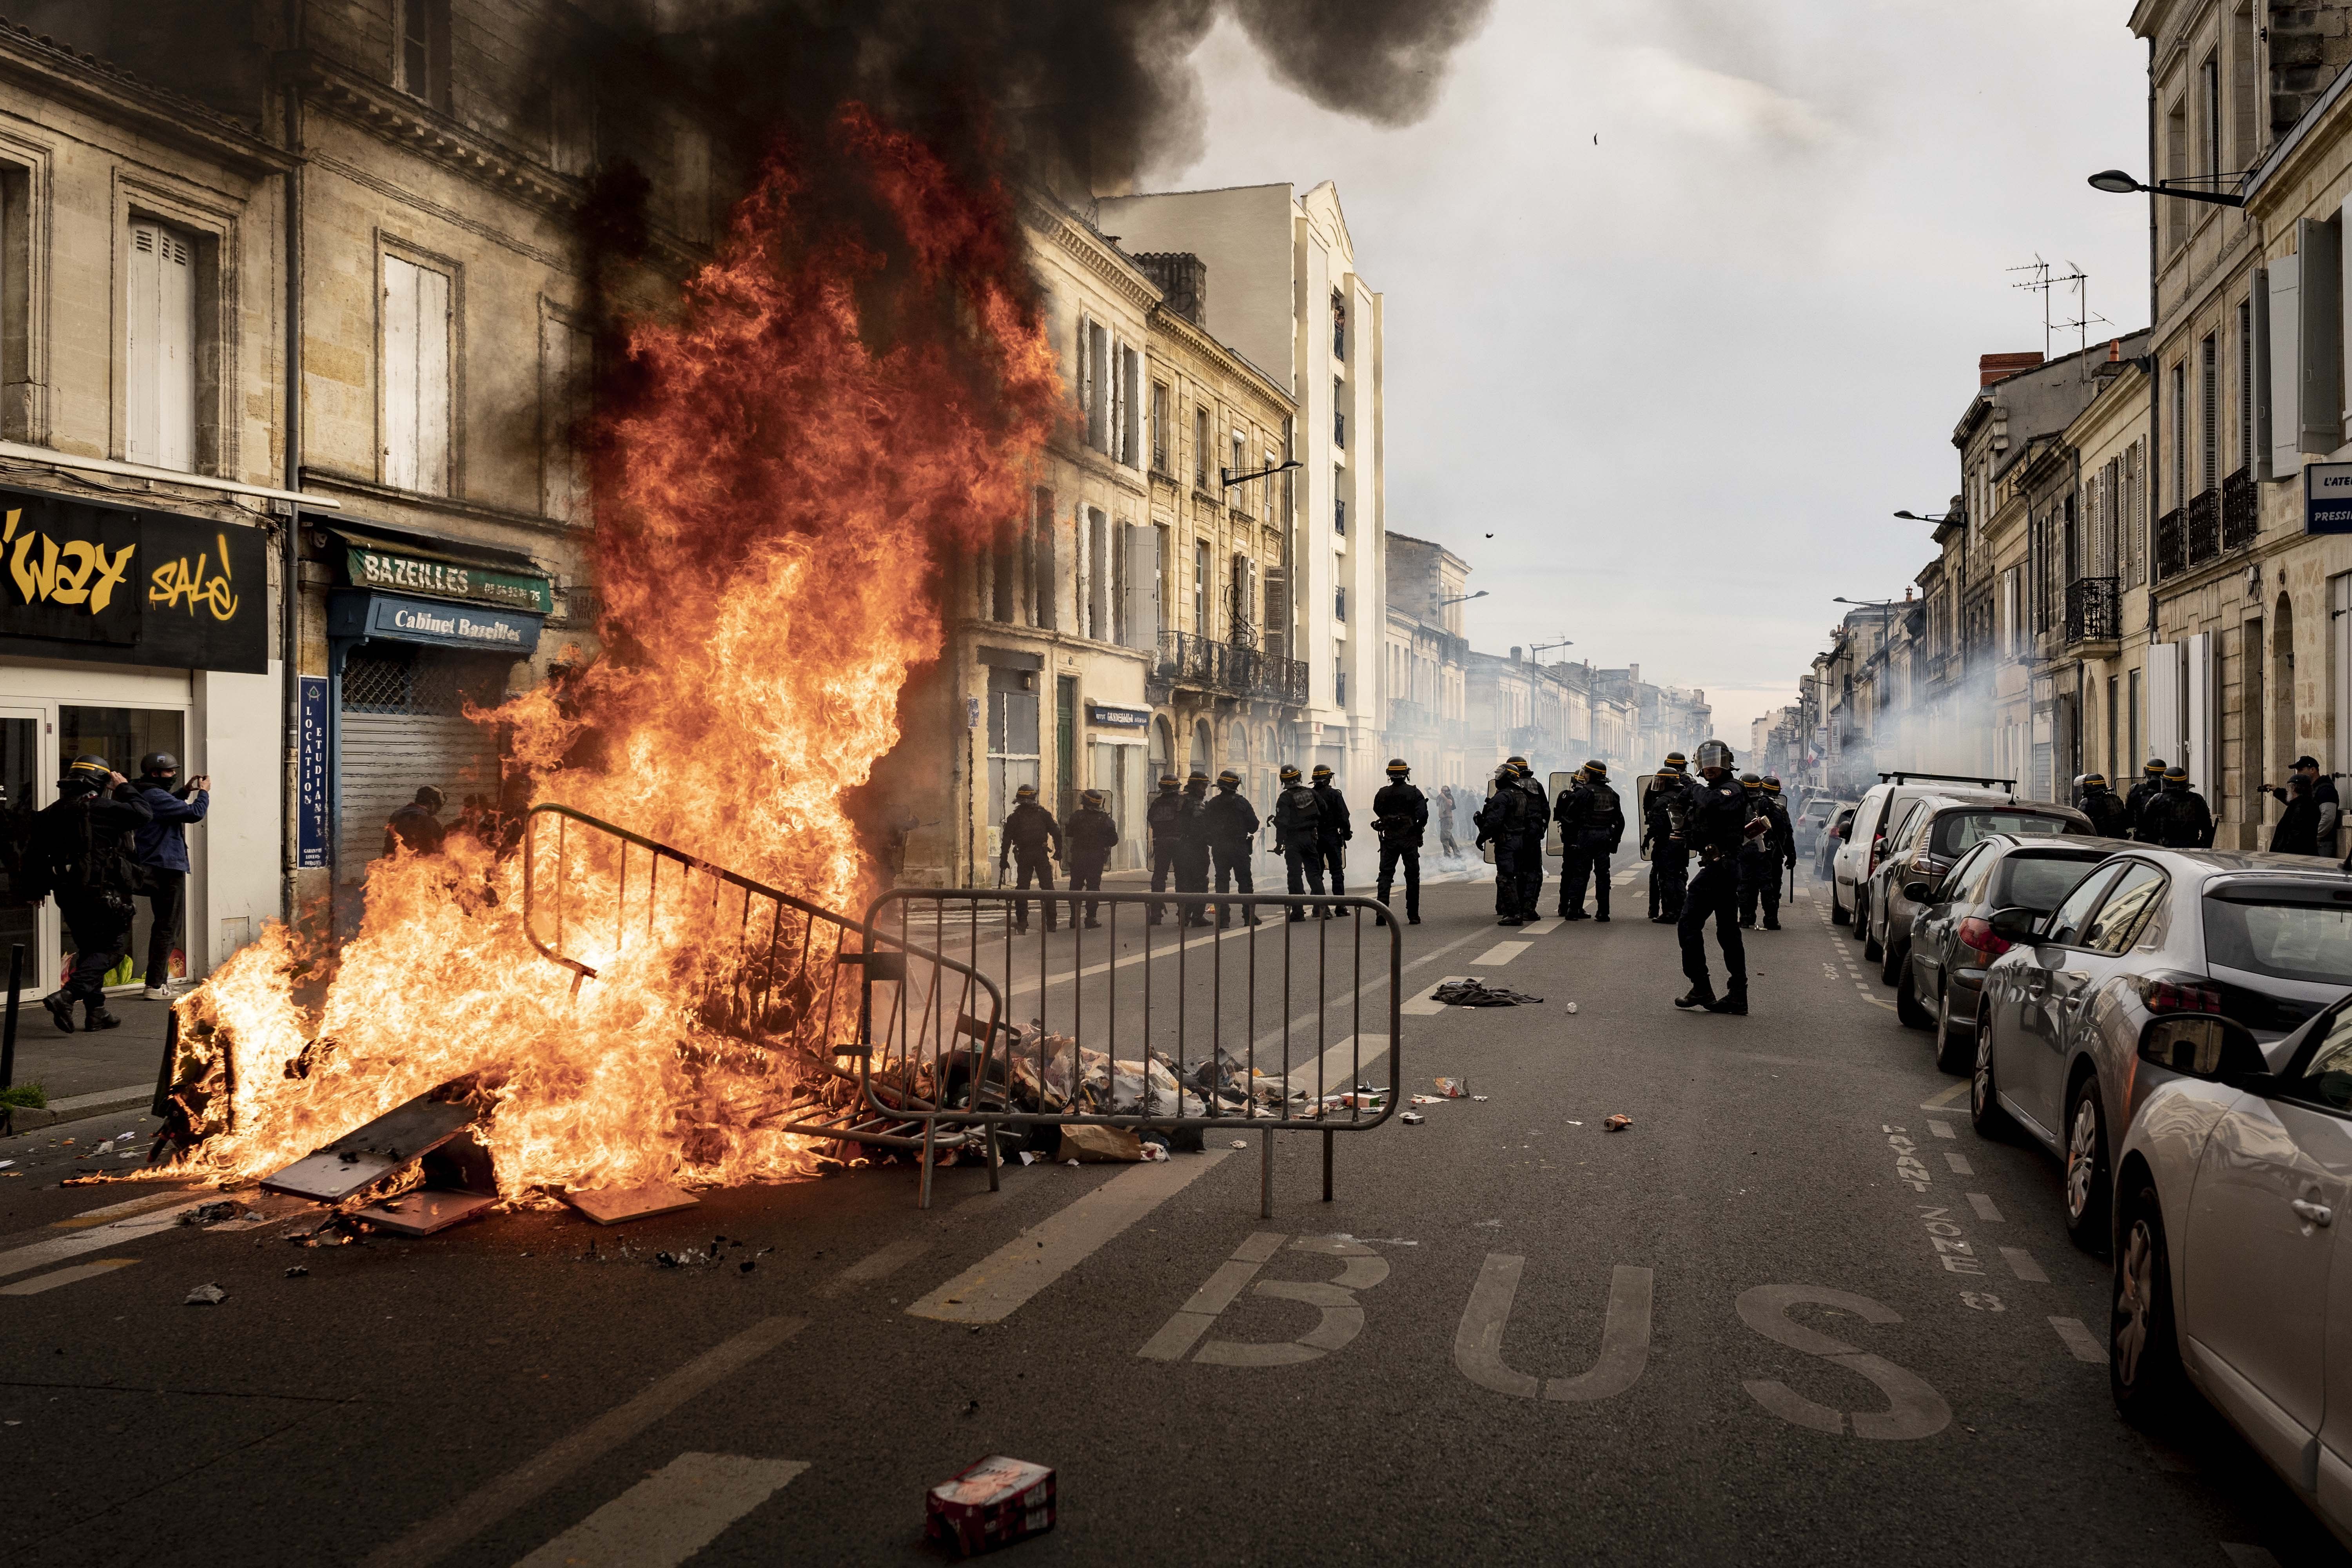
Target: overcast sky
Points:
(1682, 376)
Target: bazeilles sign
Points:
(83, 581)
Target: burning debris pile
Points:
(835, 407)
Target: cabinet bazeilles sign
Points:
(81, 580)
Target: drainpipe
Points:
(291, 567)
(2155, 375)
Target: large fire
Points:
(820, 421)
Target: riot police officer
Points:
(1765, 856)
(1297, 821)
(1165, 820)
(2151, 785)
(1715, 829)
(1193, 847)
(1536, 825)
(1333, 828)
(1092, 835)
(2178, 817)
(2110, 818)
(1502, 822)
(1230, 821)
(1664, 806)
(1591, 825)
(1029, 828)
(79, 848)
(1401, 817)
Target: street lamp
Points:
(2115, 182)
(1956, 515)
(1229, 478)
(1885, 621)
(1461, 599)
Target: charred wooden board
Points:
(365, 1156)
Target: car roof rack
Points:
(1905, 777)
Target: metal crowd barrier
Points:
(771, 970)
(1168, 1028)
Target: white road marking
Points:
(437, 1537)
(1624, 1336)
(1192, 1320)
(1983, 1205)
(1339, 1317)
(1542, 928)
(1420, 1006)
(878, 1265)
(670, 1515)
(2243, 1555)
(51, 1280)
(1942, 1128)
(112, 1212)
(2020, 1263)
(2077, 1339)
(997, 1286)
(1914, 1408)
(1942, 1100)
(1501, 952)
(1959, 1164)
(57, 1249)
(1336, 1070)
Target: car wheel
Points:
(1984, 1111)
(1892, 965)
(1861, 916)
(1951, 1046)
(1839, 914)
(1906, 999)
(2088, 1209)
(2143, 1349)
(1873, 949)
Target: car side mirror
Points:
(2015, 923)
(1919, 892)
(2200, 1045)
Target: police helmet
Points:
(1675, 762)
(1091, 796)
(1714, 754)
(1169, 781)
(1228, 779)
(2176, 774)
(1771, 784)
(1026, 792)
(158, 765)
(2094, 781)
(1518, 762)
(1594, 768)
(1751, 781)
(2154, 765)
(1198, 775)
(1289, 773)
(1399, 767)
(1670, 770)
(87, 772)
(1322, 770)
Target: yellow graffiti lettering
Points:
(79, 573)
(109, 572)
(175, 585)
(71, 584)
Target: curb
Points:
(25, 1118)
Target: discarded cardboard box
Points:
(993, 1503)
(1090, 1144)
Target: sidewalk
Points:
(86, 1074)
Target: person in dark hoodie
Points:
(1401, 818)
(1029, 831)
(161, 849)
(1163, 819)
(1591, 826)
(1230, 822)
(1193, 847)
(78, 850)
(2297, 832)
(1298, 818)
(2151, 785)
(1089, 839)
(1333, 829)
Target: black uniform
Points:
(1502, 823)
(1665, 807)
(1332, 832)
(2298, 826)
(1192, 852)
(1231, 823)
(1092, 835)
(1165, 818)
(1717, 812)
(79, 849)
(1297, 817)
(1531, 847)
(1762, 861)
(1029, 831)
(2178, 819)
(2110, 818)
(1401, 816)
(1591, 826)
(2149, 786)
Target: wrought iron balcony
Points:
(2171, 546)
(2241, 517)
(1188, 661)
(2204, 527)
(2093, 611)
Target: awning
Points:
(405, 561)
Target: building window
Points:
(1201, 586)
(1241, 466)
(1339, 413)
(2180, 423)
(422, 70)
(1127, 373)
(1339, 515)
(161, 330)
(1339, 329)
(1339, 682)
(2209, 82)
(1094, 393)
(1159, 427)
(1201, 446)
(416, 385)
(2209, 375)
(564, 368)
(1338, 604)
(2176, 165)
(1012, 740)
(1041, 561)
(1101, 575)
(2246, 383)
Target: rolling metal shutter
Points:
(403, 727)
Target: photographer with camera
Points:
(160, 850)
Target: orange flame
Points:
(826, 419)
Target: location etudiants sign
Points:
(2327, 498)
(118, 585)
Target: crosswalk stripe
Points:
(1423, 1006)
(55, 1278)
(1542, 928)
(1502, 953)
(670, 1515)
(998, 1286)
(57, 1249)
(2078, 1341)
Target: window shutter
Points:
(2198, 692)
(2283, 344)
(564, 365)
(2319, 247)
(159, 333)
(2164, 701)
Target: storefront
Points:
(125, 631)
(421, 627)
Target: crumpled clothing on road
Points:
(1476, 993)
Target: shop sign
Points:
(2327, 498)
(88, 582)
(311, 845)
(398, 618)
(1118, 716)
(412, 575)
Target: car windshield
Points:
(2041, 881)
(2302, 938)
(1956, 831)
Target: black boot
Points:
(1735, 1003)
(1700, 995)
(1771, 922)
(60, 1006)
(1094, 924)
(99, 1018)
(1412, 920)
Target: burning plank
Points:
(426, 1211)
(366, 1155)
(617, 1206)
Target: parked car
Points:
(1952, 943)
(1881, 807)
(1832, 838)
(2262, 940)
(2229, 1182)
(1819, 813)
(1937, 830)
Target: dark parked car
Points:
(1952, 943)
(2262, 940)
(1935, 832)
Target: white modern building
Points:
(1284, 292)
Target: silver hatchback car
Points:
(2264, 941)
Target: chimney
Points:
(2000, 367)
(2115, 349)
(1514, 653)
(1184, 280)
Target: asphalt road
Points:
(1844, 1329)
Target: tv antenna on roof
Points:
(2041, 280)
